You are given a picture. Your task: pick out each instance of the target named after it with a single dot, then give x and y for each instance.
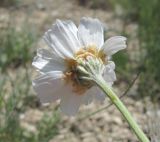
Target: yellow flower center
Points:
(72, 75)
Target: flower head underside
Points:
(74, 76)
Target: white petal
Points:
(90, 32)
(109, 73)
(69, 31)
(93, 94)
(47, 86)
(55, 41)
(46, 65)
(88, 97)
(55, 50)
(70, 102)
(48, 77)
(48, 54)
(100, 96)
(44, 53)
(62, 38)
(114, 44)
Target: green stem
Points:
(121, 107)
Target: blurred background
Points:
(22, 25)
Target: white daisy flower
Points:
(64, 67)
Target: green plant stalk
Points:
(121, 107)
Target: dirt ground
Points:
(107, 125)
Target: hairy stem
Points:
(121, 107)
